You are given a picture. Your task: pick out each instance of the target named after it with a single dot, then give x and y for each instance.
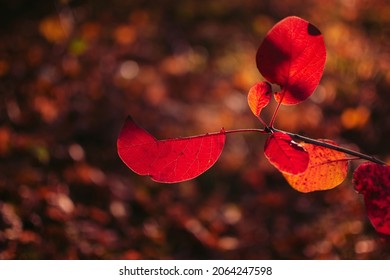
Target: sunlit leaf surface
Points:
(258, 97)
(327, 169)
(293, 56)
(285, 154)
(171, 160)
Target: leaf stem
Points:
(246, 130)
(271, 123)
(333, 147)
(262, 121)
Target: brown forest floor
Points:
(70, 73)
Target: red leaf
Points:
(171, 160)
(373, 182)
(259, 96)
(293, 56)
(285, 154)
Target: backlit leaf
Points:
(285, 154)
(259, 96)
(373, 182)
(327, 169)
(293, 56)
(171, 160)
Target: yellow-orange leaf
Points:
(327, 169)
(259, 96)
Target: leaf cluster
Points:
(292, 56)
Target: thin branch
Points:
(298, 137)
(305, 139)
(246, 130)
(258, 130)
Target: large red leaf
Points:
(285, 154)
(293, 56)
(327, 169)
(259, 96)
(171, 160)
(373, 182)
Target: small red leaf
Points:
(171, 160)
(373, 182)
(293, 56)
(285, 154)
(259, 96)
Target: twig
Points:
(298, 137)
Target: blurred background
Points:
(70, 73)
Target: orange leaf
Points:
(259, 96)
(327, 169)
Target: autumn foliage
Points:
(373, 181)
(292, 56)
(285, 154)
(168, 161)
(327, 169)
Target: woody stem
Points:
(298, 137)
